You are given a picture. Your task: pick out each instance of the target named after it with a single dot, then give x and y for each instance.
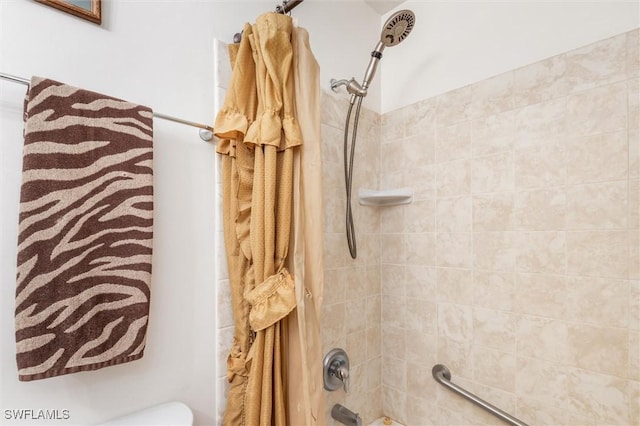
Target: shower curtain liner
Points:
(260, 143)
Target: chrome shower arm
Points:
(353, 87)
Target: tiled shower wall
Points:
(517, 264)
(352, 303)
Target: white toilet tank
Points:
(172, 413)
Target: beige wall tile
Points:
(224, 313)
(634, 400)
(542, 338)
(422, 348)
(391, 156)
(542, 381)
(492, 134)
(494, 329)
(334, 250)
(634, 154)
(493, 173)
(598, 253)
(599, 63)
(453, 214)
(353, 315)
(373, 278)
(493, 95)
(540, 81)
(421, 411)
(540, 210)
(391, 125)
(493, 212)
(633, 85)
(357, 348)
(534, 412)
(420, 117)
(394, 341)
(634, 304)
(373, 312)
(634, 254)
(374, 343)
(455, 321)
(420, 383)
(599, 110)
(597, 206)
(541, 252)
(391, 248)
(393, 282)
(633, 371)
(421, 316)
(494, 368)
(454, 106)
(395, 373)
(540, 166)
(598, 396)
(420, 282)
(541, 123)
(455, 285)
(334, 109)
(418, 150)
(605, 350)
(453, 178)
(633, 53)
(456, 356)
(494, 251)
(394, 403)
(420, 216)
(331, 145)
(391, 220)
(393, 311)
(423, 182)
(634, 204)
(374, 373)
(420, 249)
(453, 142)
(356, 287)
(597, 158)
(494, 290)
(585, 296)
(334, 286)
(453, 249)
(541, 294)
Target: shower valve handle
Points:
(339, 370)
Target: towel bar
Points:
(206, 132)
(442, 375)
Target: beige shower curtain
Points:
(259, 139)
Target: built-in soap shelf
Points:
(385, 197)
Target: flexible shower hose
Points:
(348, 172)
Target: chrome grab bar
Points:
(442, 375)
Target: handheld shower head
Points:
(394, 31)
(397, 27)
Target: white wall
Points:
(458, 43)
(158, 53)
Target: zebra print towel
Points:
(85, 233)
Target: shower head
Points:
(397, 27)
(394, 31)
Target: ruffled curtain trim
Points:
(271, 300)
(271, 129)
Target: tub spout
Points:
(345, 416)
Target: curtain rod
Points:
(206, 132)
(285, 7)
